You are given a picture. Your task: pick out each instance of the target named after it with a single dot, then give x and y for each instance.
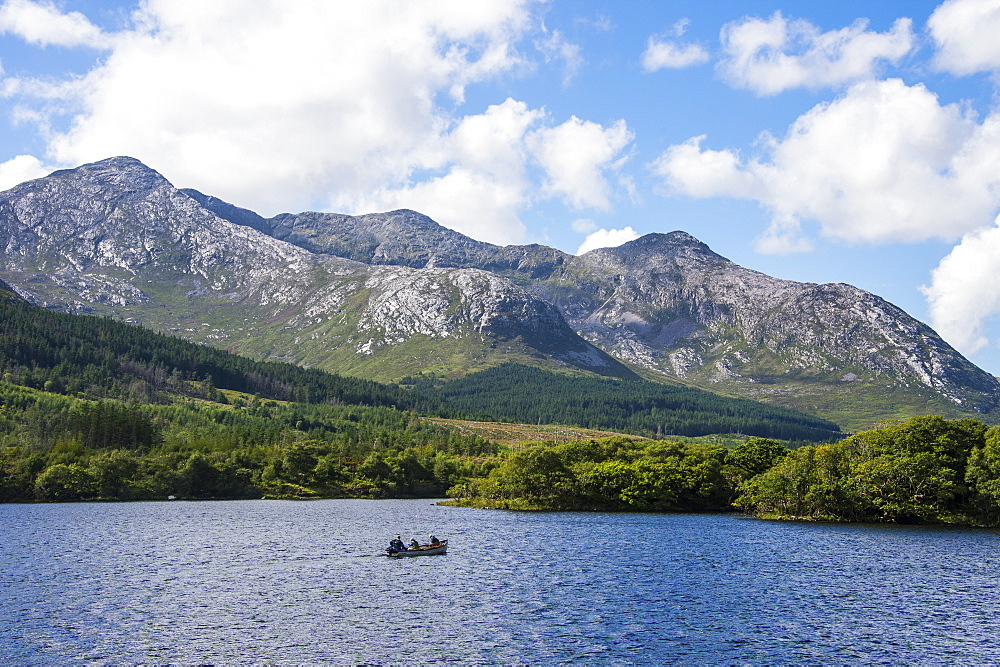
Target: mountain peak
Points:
(675, 240)
(655, 247)
(120, 163)
(122, 175)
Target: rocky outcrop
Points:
(668, 303)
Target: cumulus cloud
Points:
(664, 53)
(576, 156)
(670, 55)
(19, 169)
(283, 105)
(884, 162)
(44, 24)
(964, 291)
(771, 55)
(487, 184)
(607, 238)
(965, 33)
(493, 159)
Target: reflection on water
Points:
(272, 581)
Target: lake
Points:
(303, 582)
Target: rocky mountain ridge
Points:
(116, 238)
(667, 304)
(389, 294)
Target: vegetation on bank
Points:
(61, 448)
(58, 448)
(620, 473)
(923, 470)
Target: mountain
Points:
(115, 238)
(670, 307)
(392, 294)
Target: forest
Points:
(523, 394)
(923, 470)
(101, 358)
(58, 448)
(621, 474)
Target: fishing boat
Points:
(422, 550)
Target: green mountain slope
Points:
(100, 358)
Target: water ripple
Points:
(284, 582)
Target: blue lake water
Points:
(301, 582)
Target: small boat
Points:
(422, 550)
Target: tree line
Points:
(923, 470)
(523, 394)
(621, 474)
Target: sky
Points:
(848, 141)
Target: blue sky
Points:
(844, 141)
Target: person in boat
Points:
(397, 544)
(434, 541)
(414, 544)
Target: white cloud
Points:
(967, 36)
(491, 157)
(19, 169)
(583, 225)
(600, 23)
(670, 55)
(776, 54)
(42, 23)
(964, 290)
(487, 184)
(607, 238)
(884, 162)
(465, 200)
(576, 156)
(698, 172)
(322, 123)
(336, 105)
(555, 47)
